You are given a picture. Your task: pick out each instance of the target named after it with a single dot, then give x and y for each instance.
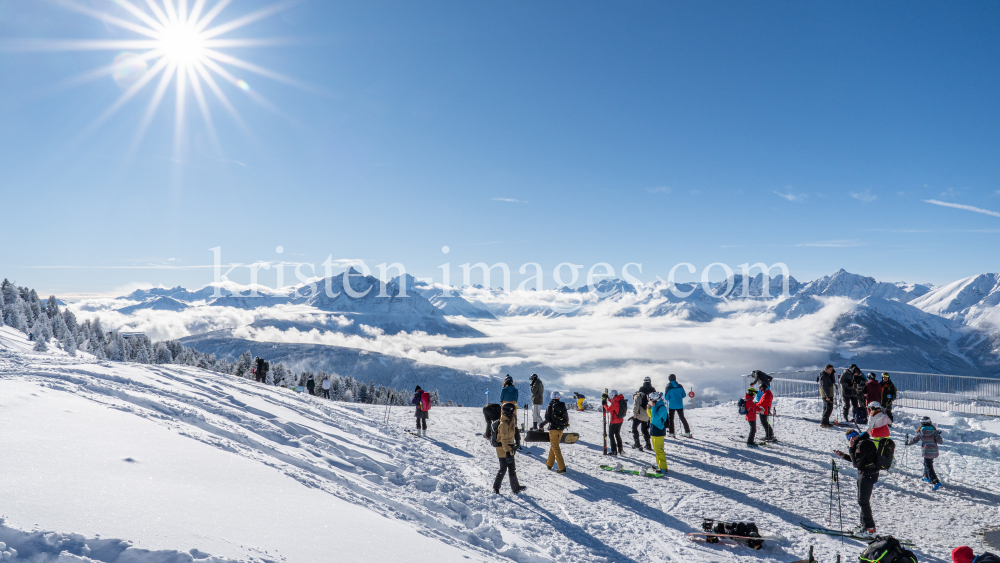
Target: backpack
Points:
(622, 409)
(886, 550)
(559, 415)
(861, 417)
(637, 400)
(425, 401)
(742, 404)
(493, 433)
(886, 449)
(986, 557)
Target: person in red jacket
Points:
(763, 401)
(873, 391)
(751, 407)
(614, 405)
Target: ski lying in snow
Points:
(838, 424)
(846, 534)
(755, 543)
(652, 474)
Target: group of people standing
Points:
(856, 391)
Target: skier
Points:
(614, 404)
(965, 554)
(873, 391)
(878, 422)
(557, 417)
(675, 403)
(658, 428)
(258, 370)
(864, 456)
(929, 437)
(888, 394)
(849, 392)
(310, 385)
(422, 400)
(751, 416)
(506, 448)
(763, 402)
(326, 387)
(826, 380)
(640, 419)
(537, 396)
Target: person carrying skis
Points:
(929, 437)
(537, 396)
(873, 391)
(640, 416)
(763, 403)
(826, 380)
(614, 404)
(326, 387)
(849, 392)
(675, 404)
(421, 400)
(965, 554)
(863, 454)
(658, 428)
(557, 417)
(888, 394)
(751, 416)
(506, 448)
(311, 385)
(878, 422)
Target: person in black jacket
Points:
(849, 392)
(827, 380)
(537, 396)
(864, 456)
(640, 415)
(557, 417)
(311, 385)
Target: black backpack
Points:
(493, 433)
(559, 416)
(861, 417)
(887, 550)
(986, 557)
(623, 409)
(886, 450)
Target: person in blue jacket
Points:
(658, 429)
(675, 403)
(509, 395)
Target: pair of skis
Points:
(845, 534)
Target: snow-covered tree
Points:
(52, 307)
(69, 343)
(243, 365)
(163, 353)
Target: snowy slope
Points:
(175, 459)
(971, 300)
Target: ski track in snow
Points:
(441, 485)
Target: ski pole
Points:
(604, 418)
(840, 509)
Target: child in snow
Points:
(929, 438)
(506, 448)
(658, 428)
(612, 404)
(878, 421)
(751, 408)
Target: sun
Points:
(174, 43)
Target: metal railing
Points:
(932, 391)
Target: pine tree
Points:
(69, 343)
(243, 365)
(435, 399)
(163, 354)
(52, 307)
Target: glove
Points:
(604, 397)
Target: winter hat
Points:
(417, 389)
(556, 395)
(646, 380)
(612, 394)
(962, 554)
(672, 377)
(654, 396)
(508, 408)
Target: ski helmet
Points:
(852, 434)
(508, 380)
(871, 375)
(612, 394)
(508, 409)
(533, 377)
(875, 405)
(646, 380)
(926, 421)
(885, 375)
(555, 395)
(752, 391)
(655, 396)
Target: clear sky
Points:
(809, 133)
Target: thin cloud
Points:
(508, 200)
(790, 196)
(659, 190)
(965, 207)
(865, 197)
(833, 243)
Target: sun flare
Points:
(182, 44)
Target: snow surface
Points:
(174, 459)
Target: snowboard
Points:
(754, 543)
(847, 534)
(652, 474)
(543, 436)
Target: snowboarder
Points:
(763, 401)
(422, 400)
(888, 395)
(537, 396)
(505, 444)
(864, 456)
(579, 401)
(326, 388)
(878, 422)
(751, 416)
(640, 420)
(849, 392)
(310, 385)
(557, 417)
(675, 403)
(827, 379)
(658, 428)
(965, 554)
(614, 404)
(929, 437)
(873, 391)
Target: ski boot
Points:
(936, 486)
(688, 435)
(672, 435)
(866, 533)
(519, 489)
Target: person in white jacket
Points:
(326, 387)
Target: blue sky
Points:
(806, 133)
